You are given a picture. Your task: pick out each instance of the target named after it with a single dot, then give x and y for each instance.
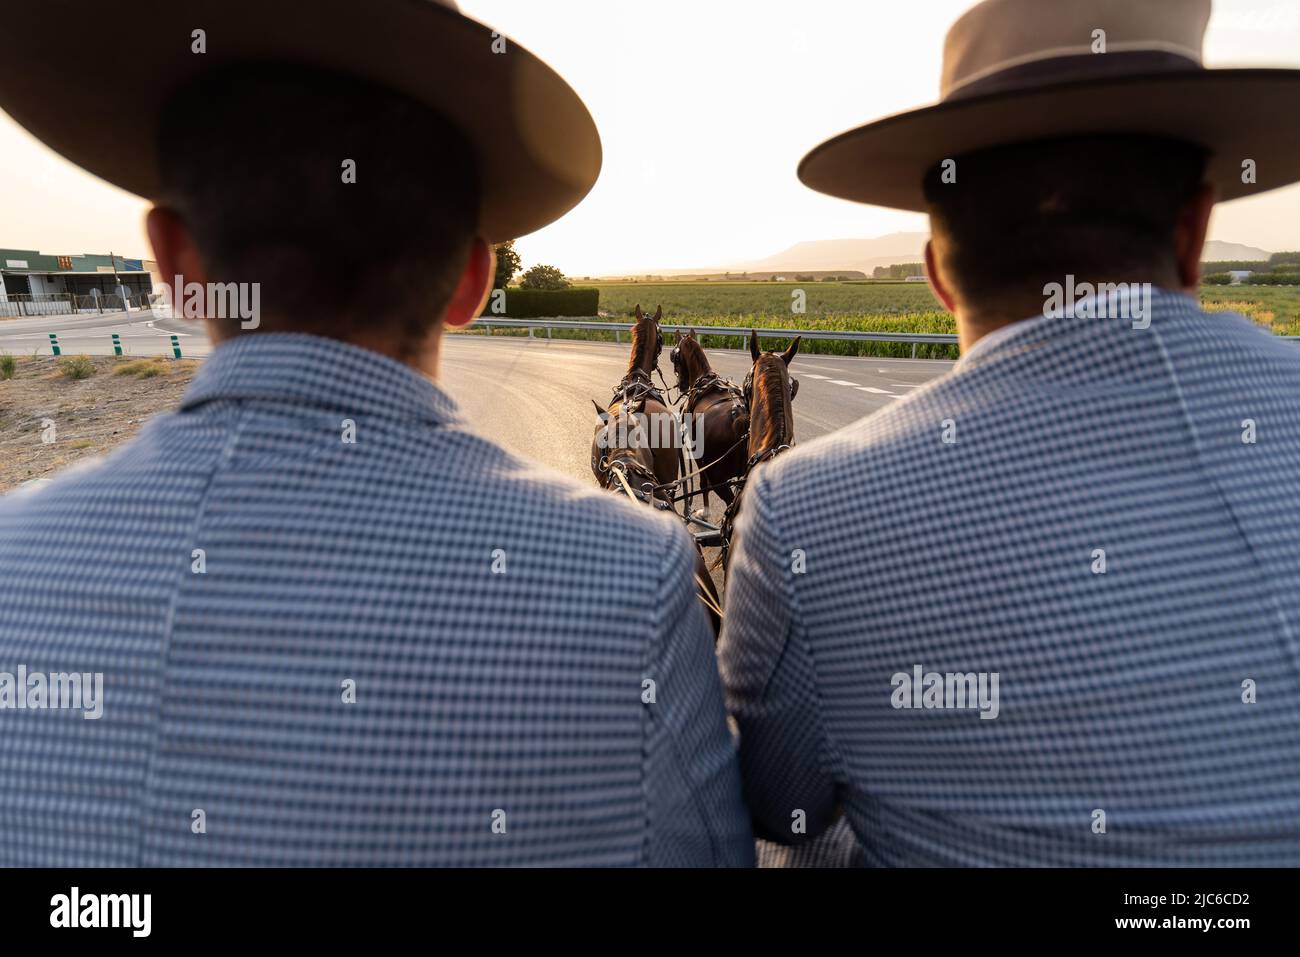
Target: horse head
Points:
(689, 360)
(769, 391)
(647, 341)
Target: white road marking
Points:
(809, 365)
(868, 388)
(813, 375)
(843, 382)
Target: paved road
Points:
(531, 395)
(91, 334)
(534, 397)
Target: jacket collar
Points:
(1164, 304)
(307, 370)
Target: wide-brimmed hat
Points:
(91, 81)
(1022, 70)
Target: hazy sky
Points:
(704, 108)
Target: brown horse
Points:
(769, 393)
(638, 433)
(715, 413)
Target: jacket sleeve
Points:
(771, 686)
(696, 814)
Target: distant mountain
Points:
(865, 254)
(831, 254)
(821, 256)
(1217, 251)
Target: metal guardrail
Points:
(618, 328)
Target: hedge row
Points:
(1231, 265)
(1273, 279)
(544, 303)
(1256, 279)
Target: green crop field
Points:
(830, 299)
(864, 307)
(1273, 307)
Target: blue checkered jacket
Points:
(1106, 517)
(411, 648)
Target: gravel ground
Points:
(84, 417)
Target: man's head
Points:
(1114, 208)
(354, 207)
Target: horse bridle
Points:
(747, 390)
(630, 468)
(639, 383)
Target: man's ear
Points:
(173, 247)
(935, 278)
(1189, 235)
(474, 285)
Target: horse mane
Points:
(770, 382)
(641, 342)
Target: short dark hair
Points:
(252, 157)
(1020, 216)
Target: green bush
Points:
(542, 276)
(1284, 259)
(76, 367)
(1217, 279)
(8, 366)
(1274, 279)
(546, 303)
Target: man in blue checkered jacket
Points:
(1046, 609)
(311, 618)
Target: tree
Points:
(507, 264)
(543, 277)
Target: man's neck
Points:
(975, 320)
(422, 357)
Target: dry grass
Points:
(91, 415)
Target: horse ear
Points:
(638, 310)
(753, 345)
(599, 411)
(790, 353)
(659, 313)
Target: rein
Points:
(735, 445)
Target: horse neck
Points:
(643, 347)
(771, 422)
(697, 363)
